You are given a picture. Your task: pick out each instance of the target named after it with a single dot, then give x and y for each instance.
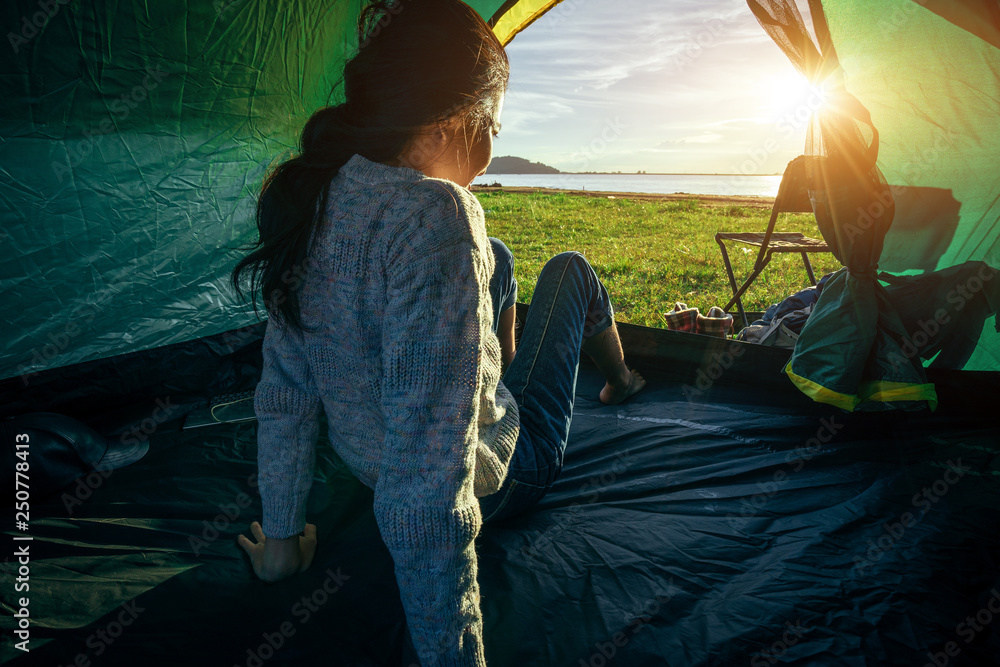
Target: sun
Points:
(790, 96)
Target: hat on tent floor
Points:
(58, 449)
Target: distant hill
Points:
(518, 165)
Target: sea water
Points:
(696, 184)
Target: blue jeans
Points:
(569, 304)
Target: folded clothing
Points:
(716, 323)
(682, 318)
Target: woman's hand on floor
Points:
(274, 559)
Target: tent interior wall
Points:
(138, 134)
(719, 518)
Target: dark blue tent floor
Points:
(740, 527)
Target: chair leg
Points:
(732, 282)
(746, 285)
(809, 268)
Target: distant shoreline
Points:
(711, 200)
(615, 173)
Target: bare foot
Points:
(626, 386)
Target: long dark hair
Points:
(418, 62)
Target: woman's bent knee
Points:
(570, 261)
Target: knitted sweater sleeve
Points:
(427, 513)
(288, 407)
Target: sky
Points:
(685, 86)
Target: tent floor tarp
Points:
(718, 518)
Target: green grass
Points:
(649, 254)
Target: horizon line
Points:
(621, 173)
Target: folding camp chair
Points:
(792, 198)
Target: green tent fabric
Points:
(934, 95)
(135, 136)
(851, 352)
(929, 73)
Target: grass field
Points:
(649, 254)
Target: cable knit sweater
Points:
(403, 359)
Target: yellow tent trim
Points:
(869, 391)
(520, 16)
(821, 394)
(899, 391)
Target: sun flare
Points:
(791, 94)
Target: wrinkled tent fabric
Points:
(136, 136)
(697, 521)
(944, 333)
(841, 355)
(850, 353)
(692, 526)
(929, 73)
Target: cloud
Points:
(526, 111)
(706, 138)
(688, 80)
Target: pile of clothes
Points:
(942, 311)
(781, 323)
(778, 327)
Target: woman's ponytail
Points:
(289, 211)
(418, 62)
